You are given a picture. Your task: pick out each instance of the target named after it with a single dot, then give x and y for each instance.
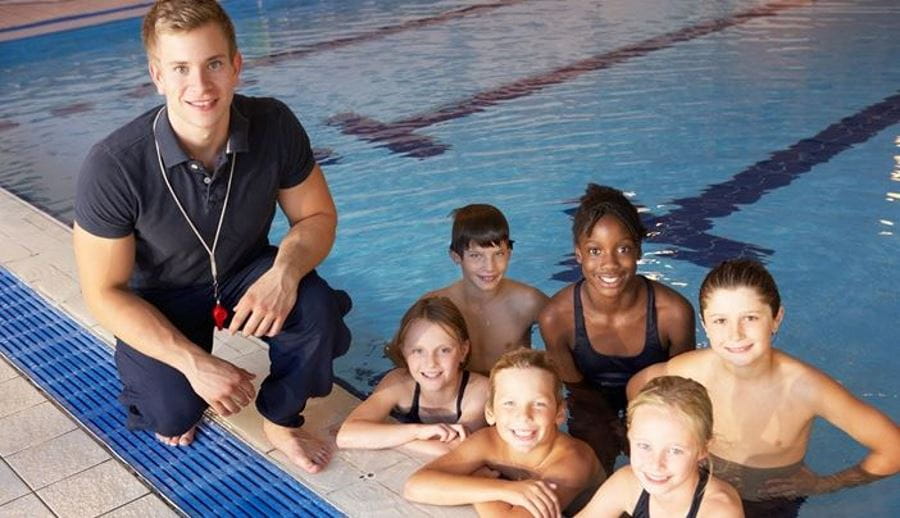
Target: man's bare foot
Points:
(302, 448)
(178, 440)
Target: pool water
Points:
(741, 127)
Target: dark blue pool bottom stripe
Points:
(399, 136)
(92, 14)
(687, 226)
(216, 476)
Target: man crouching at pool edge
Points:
(171, 230)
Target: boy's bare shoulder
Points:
(526, 299)
(447, 291)
(804, 379)
(575, 457)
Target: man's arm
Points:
(104, 267)
(313, 219)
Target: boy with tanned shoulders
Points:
(520, 465)
(499, 312)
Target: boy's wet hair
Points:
(185, 15)
(600, 200)
(524, 358)
(481, 224)
(685, 396)
(738, 273)
(437, 310)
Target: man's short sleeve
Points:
(298, 160)
(104, 203)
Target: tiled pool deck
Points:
(53, 466)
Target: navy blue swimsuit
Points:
(610, 374)
(642, 509)
(412, 417)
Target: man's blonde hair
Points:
(185, 15)
(524, 358)
(685, 396)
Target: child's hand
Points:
(442, 432)
(536, 496)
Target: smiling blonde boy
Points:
(521, 465)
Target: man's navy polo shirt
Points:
(120, 191)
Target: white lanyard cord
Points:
(210, 251)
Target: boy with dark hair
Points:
(499, 312)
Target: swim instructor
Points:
(172, 215)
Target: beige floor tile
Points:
(394, 477)
(150, 506)
(11, 251)
(374, 461)
(7, 371)
(32, 426)
(92, 492)
(28, 506)
(78, 310)
(57, 458)
(18, 394)
(338, 474)
(11, 486)
(103, 335)
(370, 499)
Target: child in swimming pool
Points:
(436, 401)
(499, 311)
(765, 401)
(521, 464)
(605, 328)
(670, 426)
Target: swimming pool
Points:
(793, 112)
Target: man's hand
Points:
(266, 304)
(226, 387)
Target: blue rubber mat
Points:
(218, 475)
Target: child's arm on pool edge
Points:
(366, 426)
(451, 480)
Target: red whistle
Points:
(219, 314)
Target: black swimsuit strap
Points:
(642, 509)
(462, 390)
(579, 312)
(698, 493)
(652, 333)
(414, 409)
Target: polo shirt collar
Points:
(171, 151)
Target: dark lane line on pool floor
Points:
(400, 138)
(147, 88)
(686, 227)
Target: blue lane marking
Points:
(216, 476)
(400, 137)
(79, 16)
(687, 226)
